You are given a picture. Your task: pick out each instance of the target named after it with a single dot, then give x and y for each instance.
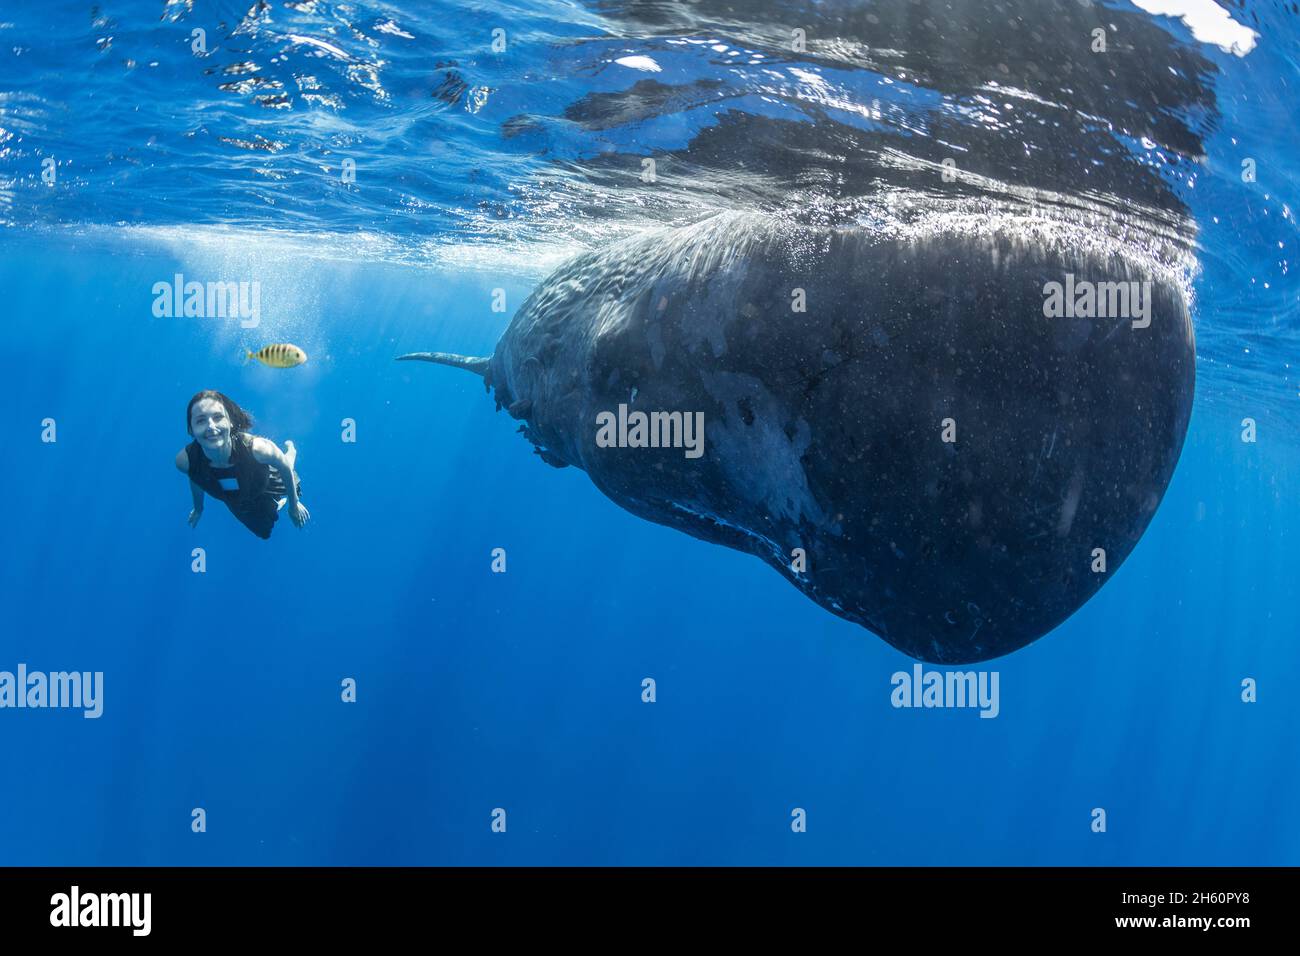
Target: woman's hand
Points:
(299, 514)
(195, 515)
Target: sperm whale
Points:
(951, 434)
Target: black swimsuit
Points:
(255, 500)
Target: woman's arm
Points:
(183, 464)
(268, 453)
(197, 494)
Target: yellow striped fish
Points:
(278, 356)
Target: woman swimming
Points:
(246, 472)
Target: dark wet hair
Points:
(240, 420)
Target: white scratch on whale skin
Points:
(759, 458)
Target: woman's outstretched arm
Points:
(269, 453)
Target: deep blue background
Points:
(481, 690)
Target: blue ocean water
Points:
(476, 171)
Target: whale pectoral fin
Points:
(470, 363)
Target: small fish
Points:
(278, 356)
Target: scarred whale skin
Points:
(824, 428)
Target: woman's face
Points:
(210, 425)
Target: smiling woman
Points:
(245, 471)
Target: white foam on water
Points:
(639, 63)
(1208, 21)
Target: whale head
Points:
(952, 434)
